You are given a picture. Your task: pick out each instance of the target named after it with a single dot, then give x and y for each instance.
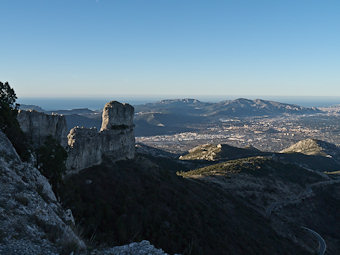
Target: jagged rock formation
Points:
(31, 219)
(86, 147)
(314, 147)
(116, 139)
(117, 116)
(37, 126)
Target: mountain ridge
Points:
(227, 107)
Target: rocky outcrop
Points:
(212, 152)
(141, 248)
(31, 219)
(117, 115)
(86, 147)
(315, 147)
(116, 139)
(37, 126)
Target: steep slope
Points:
(314, 147)
(31, 221)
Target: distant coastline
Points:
(98, 103)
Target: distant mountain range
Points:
(180, 115)
(230, 108)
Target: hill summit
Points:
(212, 152)
(314, 147)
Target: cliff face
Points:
(116, 139)
(37, 126)
(32, 221)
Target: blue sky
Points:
(89, 48)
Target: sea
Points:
(98, 103)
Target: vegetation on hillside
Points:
(257, 166)
(220, 152)
(51, 157)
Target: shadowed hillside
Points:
(135, 200)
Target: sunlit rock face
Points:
(38, 126)
(117, 115)
(116, 139)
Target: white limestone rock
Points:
(37, 126)
(116, 139)
(116, 115)
(85, 148)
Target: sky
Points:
(147, 48)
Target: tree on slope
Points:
(8, 120)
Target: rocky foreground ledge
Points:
(33, 222)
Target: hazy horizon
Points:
(98, 103)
